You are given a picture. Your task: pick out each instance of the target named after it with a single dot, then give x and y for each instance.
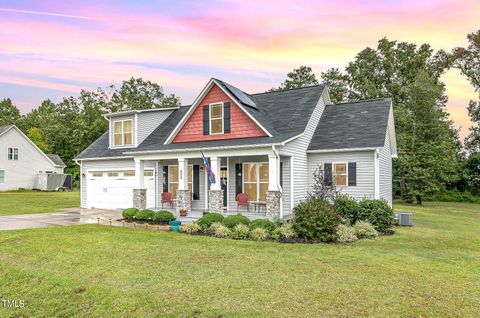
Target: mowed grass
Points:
(26, 202)
(430, 270)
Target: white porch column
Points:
(215, 166)
(273, 204)
(183, 194)
(139, 174)
(215, 195)
(139, 192)
(182, 174)
(273, 172)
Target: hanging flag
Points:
(206, 165)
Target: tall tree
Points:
(9, 113)
(410, 75)
(467, 60)
(37, 137)
(299, 77)
(137, 93)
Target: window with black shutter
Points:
(352, 174)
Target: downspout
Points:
(81, 179)
(279, 187)
(377, 174)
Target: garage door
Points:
(114, 189)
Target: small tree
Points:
(323, 187)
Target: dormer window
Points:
(216, 119)
(122, 133)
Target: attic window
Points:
(216, 118)
(122, 133)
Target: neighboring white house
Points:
(21, 160)
(265, 145)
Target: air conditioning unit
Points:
(404, 218)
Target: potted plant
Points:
(183, 212)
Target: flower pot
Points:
(183, 213)
(175, 225)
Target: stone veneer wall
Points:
(183, 200)
(273, 204)
(140, 198)
(215, 201)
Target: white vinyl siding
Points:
(385, 171)
(365, 171)
(22, 173)
(298, 149)
(148, 121)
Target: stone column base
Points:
(140, 198)
(183, 200)
(273, 204)
(215, 201)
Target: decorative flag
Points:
(206, 165)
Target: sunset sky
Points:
(53, 49)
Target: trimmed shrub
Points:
(316, 220)
(232, 220)
(259, 234)
(208, 219)
(285, 230)
(347, 207)
(163, 216)
(192, 228)
(220, 230)
(264, 224)
(240, 231)
(145, 215)
(346, 234)
(376, 212)
(364, 229)
(129, 213)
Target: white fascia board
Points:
(208, 153)
(138, 111)
(104, 158)
(342, 150)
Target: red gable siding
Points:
(241, 125)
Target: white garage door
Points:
(114, 189)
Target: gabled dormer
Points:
(128, 129)
(220, 112)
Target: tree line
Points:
(431, 158)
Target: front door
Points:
(223, 182)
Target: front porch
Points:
(184, 180)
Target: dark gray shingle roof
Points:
(56, 160)
(284, 114)
(352, 125)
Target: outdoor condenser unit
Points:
(404, 218)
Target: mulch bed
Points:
(143, 222)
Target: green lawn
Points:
(26, 202)
(432, 269)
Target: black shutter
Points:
(352, 173)
(238, 179)
(281, 174)
(206, 120)
(226, 117)
(165, 178)
(328, 173)
(196, 182)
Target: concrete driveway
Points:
(71, 216)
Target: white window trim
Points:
(193, 179)
(4, 176)
(123, 145)
(257, 168)
(210, 118)
(12, 153)
(346, 173)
